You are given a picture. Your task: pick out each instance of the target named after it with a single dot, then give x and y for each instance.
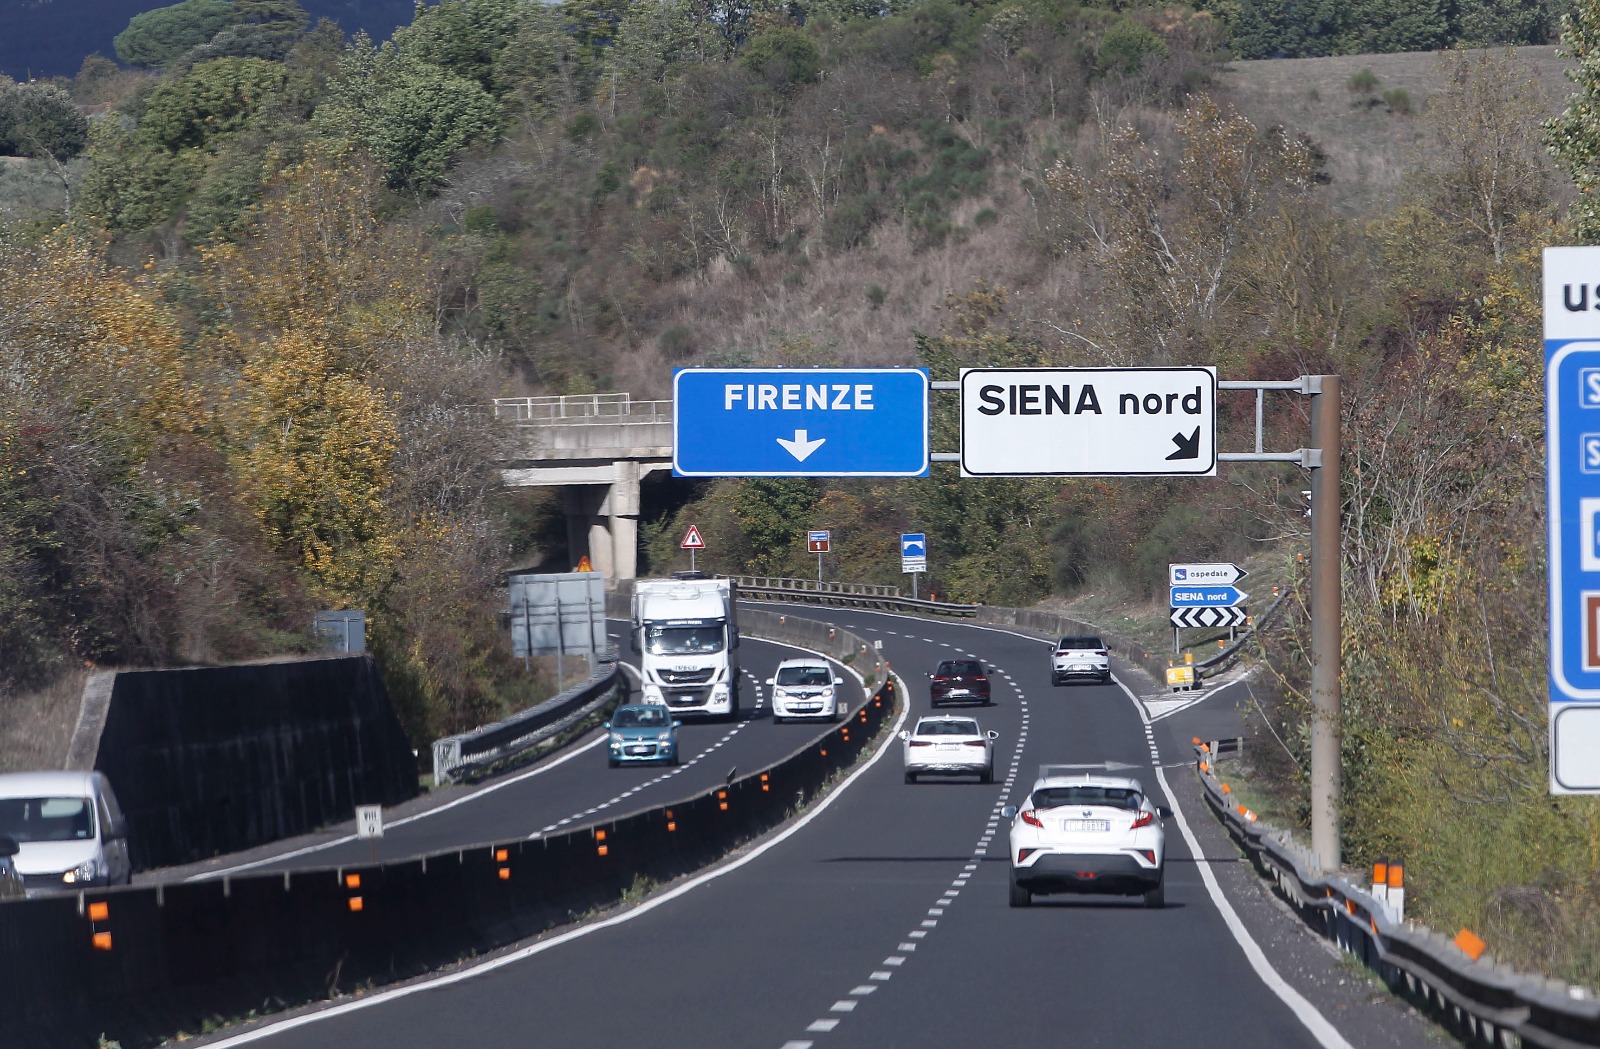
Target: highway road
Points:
(572, 787)
(880, 919)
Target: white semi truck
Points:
(686, 632)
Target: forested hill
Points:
(51, 38)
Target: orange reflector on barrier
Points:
(1349, 906)
(824, 753)
(722, 800)
(1471, 944)
(1380, 872)
(1227, 789)
(1196, 740)
(102, 941)
(99, 911)
(765, 786)
(505, 874)
(1397, 875)
(352, 881)
(599, 835)
(355, 903)
(502, 855)
(1205, 748)
(1204, 767)
(672, 824)
(603, 850)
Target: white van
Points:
(69, 830)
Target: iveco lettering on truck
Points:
(687, 637)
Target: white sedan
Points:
(949, 744)
(1087, 828)
(806, 688)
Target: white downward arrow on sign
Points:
(801, 448)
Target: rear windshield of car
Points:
(959, 666)
(1080, 642)
(1086, 794)
(805, 676)
(948, 728)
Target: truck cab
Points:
(686, 633)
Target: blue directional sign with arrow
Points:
(1207, 596)
(790, 422)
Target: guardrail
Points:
(584, 408)
(455, 755)
(1478, 1000)
(853, 595)
(139, 964)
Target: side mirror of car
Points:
(904, 735)
(1009, 812)
(838, 681)
(772, 681)
(1164, 812)
(676, 723)
(9, 847)
(993, 734)
(606, 726)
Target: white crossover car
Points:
(945, 743)
(1087, 828)
(1080, 659)
(807, 688)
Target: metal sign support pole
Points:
(691, 559)
(527, 634)
(1326, 612)
(914, 585)
(819, 566)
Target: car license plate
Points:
(949, 746)
(640, 750)
(1085, 825)
(1081, 666)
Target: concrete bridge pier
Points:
(603, 522)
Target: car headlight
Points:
(826, 693)
(779, 693)
(665, 737)
(86, 871)
(719, 692)
(652, 693)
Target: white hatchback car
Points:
(1080, 658)
(949, 744)
(1087, 828)
(806, 688)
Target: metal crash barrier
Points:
(1477, 999)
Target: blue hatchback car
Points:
(642, 732)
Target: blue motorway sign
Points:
(1572, 483)
(790, 422)
(1207, 596)
(913, 551)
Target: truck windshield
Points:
(683, 640)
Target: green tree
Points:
(464, 37)
(785, 57)
(1484, 23)
(413, 117)
(1128, 45)
(1387, 26)
(1288, 28)
(156, 38)
(215, 100)
(1573, 137)
(40, 120)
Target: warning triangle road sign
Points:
(584, 565)
(692, 540)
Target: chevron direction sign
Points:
(1208, 617)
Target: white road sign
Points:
(1206, 575)
(1099, 422)
(369, 821)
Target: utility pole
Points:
(1327, 560)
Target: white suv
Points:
(1081, 658)
(1087, 828)
(807, 688)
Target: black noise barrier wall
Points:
(211, 760)
(138, 965)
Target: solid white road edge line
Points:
(1323, 1031)
(447, 806)
(556, 941)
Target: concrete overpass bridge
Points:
(595, 448)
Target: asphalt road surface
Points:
(880, 919)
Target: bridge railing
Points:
(581, 408)
(855, 595)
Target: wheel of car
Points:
(1105, 679)
(1055, 680)
(1020, 896)
(987, 775)
(611, 763)
(676, 760)
(776, 720)
(1156, 898)
(911, 777)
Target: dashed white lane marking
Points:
(947, 897)
(797, 1045)
(761, 701)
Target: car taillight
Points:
(940, 680)
(1143, 819)
(921, 743)
(1061, 651)
(1031, 818)
(972, 742)
(1101, 652)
